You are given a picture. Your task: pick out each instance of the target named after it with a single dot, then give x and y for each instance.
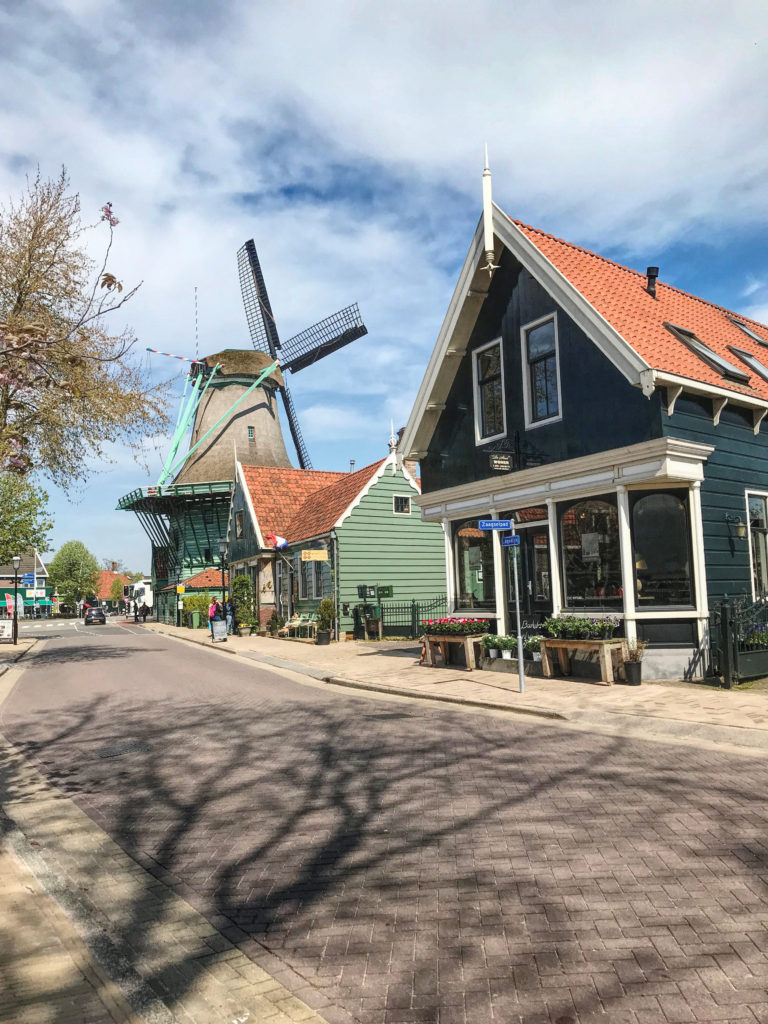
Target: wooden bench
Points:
(440, 644)
(603, 648)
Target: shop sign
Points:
(35, 593)
(314, 555)
(6, 630)
(501, 463)
(180, 589)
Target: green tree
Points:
(74, 572)
(63, 375)
(116, 590)
(24, 520)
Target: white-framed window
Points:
(757, 521)
(488, 383)
(280, 597)
(251, 434)
(541, 371)
(401, 504)
(302, 576)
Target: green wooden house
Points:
(303, 535)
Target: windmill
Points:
(302, 349)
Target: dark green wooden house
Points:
(619, 422)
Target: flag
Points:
(277, 542)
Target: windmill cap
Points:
(236, 362)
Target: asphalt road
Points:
(412, 863)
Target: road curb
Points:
(18, 655)
(354, 684)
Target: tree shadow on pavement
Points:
(418, 865)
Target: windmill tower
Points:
(298, 352)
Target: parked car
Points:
(95, 615)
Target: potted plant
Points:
(245, 625)
(491, 646)
(532, 647)
(242, 598)
(633, 666)
(326, 613)
(508, 647)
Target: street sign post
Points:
(513, 541)
(494, 524)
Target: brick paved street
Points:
(396, 864)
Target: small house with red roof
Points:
(104, 589)
(303, 535)
(617, 421)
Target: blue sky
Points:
(346, 138)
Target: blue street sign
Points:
(27, 579)
(511, 542)
(494, 524)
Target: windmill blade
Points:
(258, 311)
(293, 423)
(322, 338)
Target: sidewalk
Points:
(653, 710)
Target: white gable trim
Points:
(249, 502)
(390, 460)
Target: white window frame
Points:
(302, 588)
(530, 423)
(752, 493)
(479, 439)
(407, 498)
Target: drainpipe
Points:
(335, 563)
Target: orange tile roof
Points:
(299, 503)
(619, 295)
(208, 579)
(277, 493)
(106, 579)
(323, 508)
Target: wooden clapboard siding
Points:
(738, 463)
(378, 547)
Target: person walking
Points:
(135, 611)
(230, 612)
(144, 612)
(211, 615)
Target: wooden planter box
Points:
(439, 646)
(605, 650)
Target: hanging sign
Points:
(501, 463)
(511, 542)
(314, 555)
(180, 589)
(494, 524)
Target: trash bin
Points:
(195, 617)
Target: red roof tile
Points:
(299, 503)
(208, 579)
(619, 295)
(106, 579)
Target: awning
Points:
(29, 603)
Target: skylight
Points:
(752, 361)
(707, 355)
(750, 333)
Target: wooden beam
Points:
(758, 415)
(718, 404)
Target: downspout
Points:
(335, 556)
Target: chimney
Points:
(114, 567)
(351, 465)
(652, 273)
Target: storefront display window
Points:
(758, 538)
(661, 549)
(589, 537)
(474, 555)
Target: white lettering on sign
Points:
(6, 630)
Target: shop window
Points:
(758, 539)
(526, 516)
(317, 579)
(475, 576)
(661, 549)
(589, 538)
(487, 369)
(542, 378)
(303, 577)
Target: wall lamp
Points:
(735, 524)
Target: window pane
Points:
(661, 550)
(758, 532)
(491, 409)
(589, 532)
(474, 550)
(544, 388)
(541, 340)
(489, 363)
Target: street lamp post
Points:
(16, 560)
(222, 543)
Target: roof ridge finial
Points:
(488, 243)
(393, 438)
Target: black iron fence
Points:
(398, 618)
(739, 640)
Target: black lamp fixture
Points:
(16, 561)
(736, 525)
(222, 545)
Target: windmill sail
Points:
(322, 338)
(258, 311)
